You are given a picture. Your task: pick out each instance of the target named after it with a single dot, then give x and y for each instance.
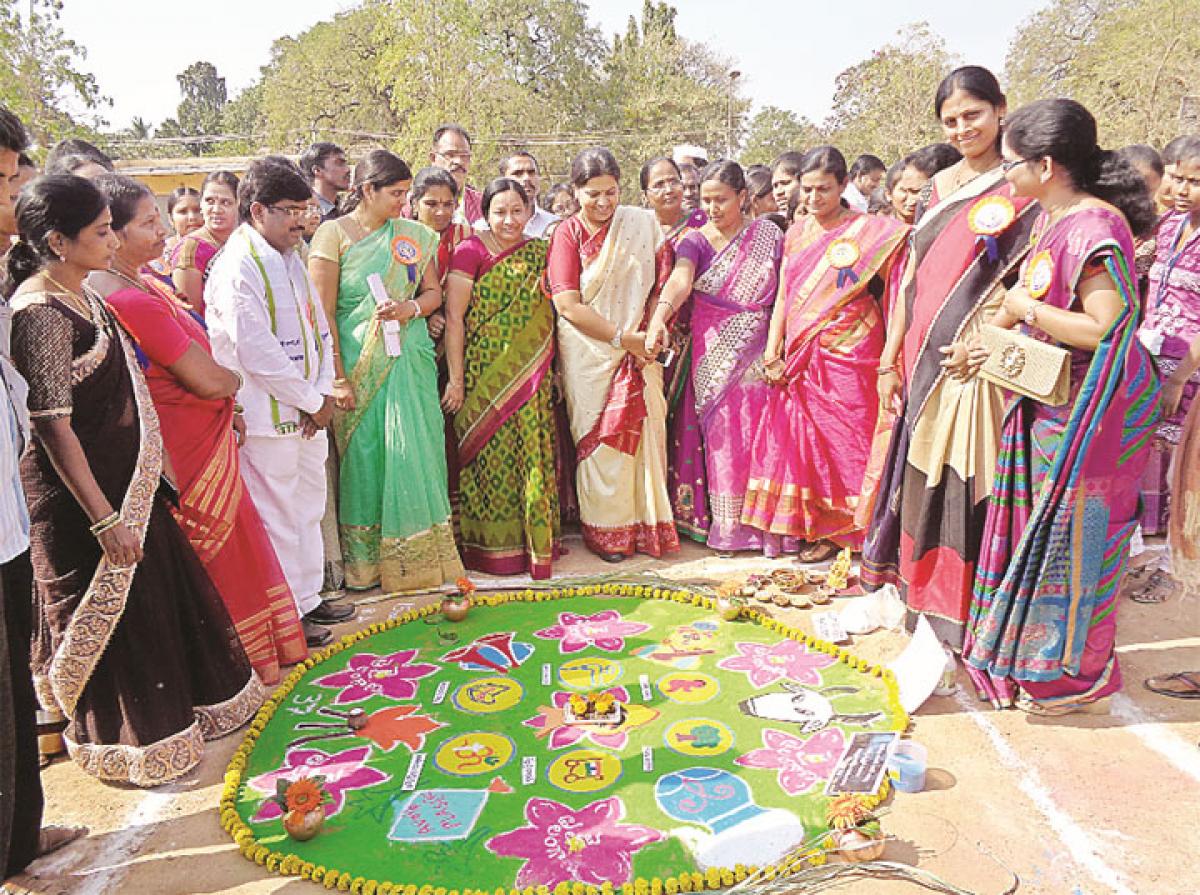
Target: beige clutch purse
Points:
(1026, 366)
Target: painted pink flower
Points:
(605, 630)
(561, 845)
(343, 771)
(368, 675)
(765, 663)
(562, 735)
(801, 761)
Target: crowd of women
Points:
(975, 367)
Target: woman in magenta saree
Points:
(814, 438)
(1064, 506)
(732, 291)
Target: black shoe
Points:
(612, 557)
(316, 635)
(328, 614)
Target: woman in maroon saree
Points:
(132, 642)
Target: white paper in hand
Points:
(392, 342)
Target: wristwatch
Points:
(1031, 314)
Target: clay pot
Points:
(304, 825)
(856, 846)
(456, 607)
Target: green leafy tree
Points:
(773, 131)
(1131, 62)
(40, 75)
(883, 105)
(201, 110)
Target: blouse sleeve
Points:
(327, 242)
(691, 247)
(43, 348)
(564, 266)
(468, 258)
(183, 256)
(154, 326)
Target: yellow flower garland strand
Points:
(342, 881)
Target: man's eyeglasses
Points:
(455, 155)
(295, 213)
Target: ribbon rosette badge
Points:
(1039, 275)
(988, 218)
(408, 253)
(842, 255)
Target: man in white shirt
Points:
(22, 836)
(522, 167)
(266, 322)
(864, 178)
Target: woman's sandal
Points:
(1158, 588)
(1031, 706)
(821, 551)
(1161, 684)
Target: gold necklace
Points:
(80, 304)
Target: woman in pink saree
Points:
(1043, 622)
(813, 441)
(730, 269)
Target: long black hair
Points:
(502, 185)
(62, 203)
(1065, 131)
(427, 178)
(971, 79)
(379, 168)
(595, 161)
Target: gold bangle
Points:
(110, 521)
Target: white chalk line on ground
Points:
(1181, 753)
(1083, 848)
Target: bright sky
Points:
(789, 51)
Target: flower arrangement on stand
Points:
(855, 830)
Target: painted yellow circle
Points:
(592, 673)
(584, 770)
(488, 694)
(698, 736)
(471, 754)
(688, 687)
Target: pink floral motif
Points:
(801, 761)
(562, 735)
(562, 845)
(368, 675)
(766, 663)
(605, 630)
(342, 772)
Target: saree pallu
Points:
(448, 240)
(813, 440)
(687, 477)
(617, 410)
(732, 297)
(215, 511)
(932, 499)
(509, 504)
(1056, 544)
(395, 510)
(192, 252)
(143, 660)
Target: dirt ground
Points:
(1080, 805)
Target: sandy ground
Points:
(1081, 805)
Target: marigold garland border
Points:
(344, 881)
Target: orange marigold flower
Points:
(304, 795)
(465, 585)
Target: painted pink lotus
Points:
(561, 845)
(368, 674)
(605, 630)
(801, 761)
(766, 663)
(342, 772)
(549, 720)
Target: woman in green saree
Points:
(499, 347)
(394, 511)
